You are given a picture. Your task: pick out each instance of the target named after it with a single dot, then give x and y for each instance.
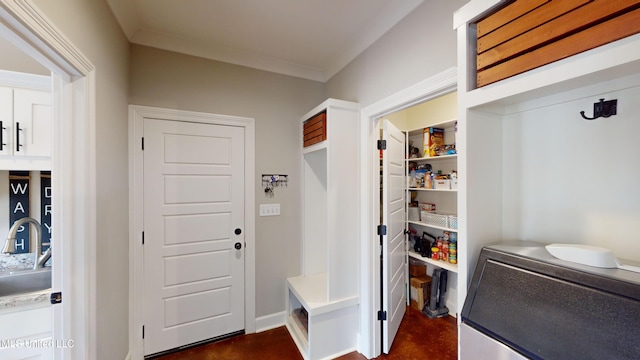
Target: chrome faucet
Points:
(10, 243)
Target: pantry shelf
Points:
(424, 189)
(444, 265)
(432, 189)
(433, 158)
(432, 226)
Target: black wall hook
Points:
(602, 109)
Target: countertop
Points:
(33, 298)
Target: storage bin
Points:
(427, 207)
(441, 184)
(414, 214)
(420, 291)
(417, 268)
(434, 219)
(453, 222)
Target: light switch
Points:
(269, 209)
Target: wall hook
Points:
(270, 181)
(602, 109)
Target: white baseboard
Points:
(272, 321)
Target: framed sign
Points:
(45, 208)
(19, 207)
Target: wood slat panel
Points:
(315, 130)
(580, 18)
(539, 16)
(314, 140)
(314, 134)
(620, 27)
(314, 127)
(509, 13)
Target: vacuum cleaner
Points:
(436, 307)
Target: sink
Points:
(22, 282)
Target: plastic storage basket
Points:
(434, 219)
(453, 222)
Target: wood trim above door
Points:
(137, 114)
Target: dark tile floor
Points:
(419, 338)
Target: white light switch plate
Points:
(269, 209)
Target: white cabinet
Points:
(322, 303)
(26, 333)
(440, 194)
(31, 123)
(25, 126)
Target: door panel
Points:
(193, 202)
(32, 109)
(393, 244)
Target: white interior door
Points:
(393, 244)
(193, 232)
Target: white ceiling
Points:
(312, 39)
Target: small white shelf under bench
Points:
(321, 328)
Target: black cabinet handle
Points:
(2, 128)
(18, 136)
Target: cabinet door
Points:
(393, 242)
(6, 119)
(31, 134)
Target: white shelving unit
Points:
(446, 202)
(500, 127)
(322, 303)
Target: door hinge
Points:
(142, 143)
(55, 298)
(143, 331)
(143, 238)
(382, 315)
(382, 144)
(382, 229)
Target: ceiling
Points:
(311, 39)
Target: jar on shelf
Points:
(435, 253)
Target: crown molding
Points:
(23, 23)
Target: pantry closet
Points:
(400, 216)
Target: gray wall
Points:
(13, 59)
(421, 45)
(165, 79)
(88, 24)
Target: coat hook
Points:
(602, 109)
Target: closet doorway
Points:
(373, 304)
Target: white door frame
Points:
(443, 83)
(73, 152)
(73, 167)
(137, 114)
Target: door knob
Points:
(238, 231)
(238, 246)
